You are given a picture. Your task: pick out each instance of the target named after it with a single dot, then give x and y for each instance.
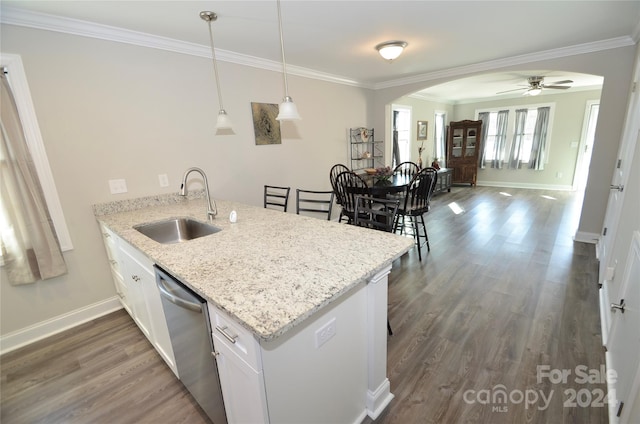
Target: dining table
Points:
(380, 188)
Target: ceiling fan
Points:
(536, 85)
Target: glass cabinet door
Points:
(470, 146)
(456, 150)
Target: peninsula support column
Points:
(378, 388)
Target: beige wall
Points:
(108, 110)
(568, 118)
(615, 65)
(422, 110)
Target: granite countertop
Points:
(269, 270)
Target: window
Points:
(20, 88)
(403, 125)
(516, 139)
(439, 138)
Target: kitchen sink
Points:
(176, 230)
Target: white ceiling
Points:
(338, 37)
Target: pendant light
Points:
(288, 110)
(223, 122)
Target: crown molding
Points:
(82, 28)
(511, 61)
(78, 27)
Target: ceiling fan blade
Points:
(557, 87)
(560, 82)
(515, 89)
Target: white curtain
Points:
(538, 147)
(499, 148)
(515, 158)
(30, 247)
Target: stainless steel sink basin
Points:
(176, 230)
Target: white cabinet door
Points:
(242, 386)
(135, 276)
(139, 276)
(111, 244)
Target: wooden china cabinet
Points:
(463, 148)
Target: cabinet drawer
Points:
(237, 338)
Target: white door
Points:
(616, 197)
(623, 355)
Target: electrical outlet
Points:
(164, 180)
(558, 174)
(324, 333)
(118, 186)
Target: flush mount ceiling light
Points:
(287, 110)
(223, 122)
(390, 50)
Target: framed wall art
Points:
(265, 126)
(421, 133)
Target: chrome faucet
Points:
(212, 211)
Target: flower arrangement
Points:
(383, 173)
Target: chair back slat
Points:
(377, 214)
(348, 185)
(407, 169)
(420, 191)
(336, 170)
(276, 197)
(314, 202)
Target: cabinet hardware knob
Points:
(620, 188)
(618, 306)
(135, 278)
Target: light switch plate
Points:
(118, 186)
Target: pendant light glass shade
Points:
(288, 111)
(223, 122)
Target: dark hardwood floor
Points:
(504, 301)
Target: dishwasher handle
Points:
(164, 292)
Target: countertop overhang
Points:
(269, 270)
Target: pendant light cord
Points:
(215, 65)
(284, 63)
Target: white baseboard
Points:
(44, 329)
(377, 401)
(525, 185)
(584, 237)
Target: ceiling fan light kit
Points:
(390, 50)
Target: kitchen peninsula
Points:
(305, 298)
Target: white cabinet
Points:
(135, 283)
(297, 377)
(111, 242)
(240, 370)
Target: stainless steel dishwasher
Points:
(190, 330)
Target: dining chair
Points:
(276, 197)
(348, 185)
(408, 169)
(416, 204)
(315, 202)
(375, 213)
(333, 174)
